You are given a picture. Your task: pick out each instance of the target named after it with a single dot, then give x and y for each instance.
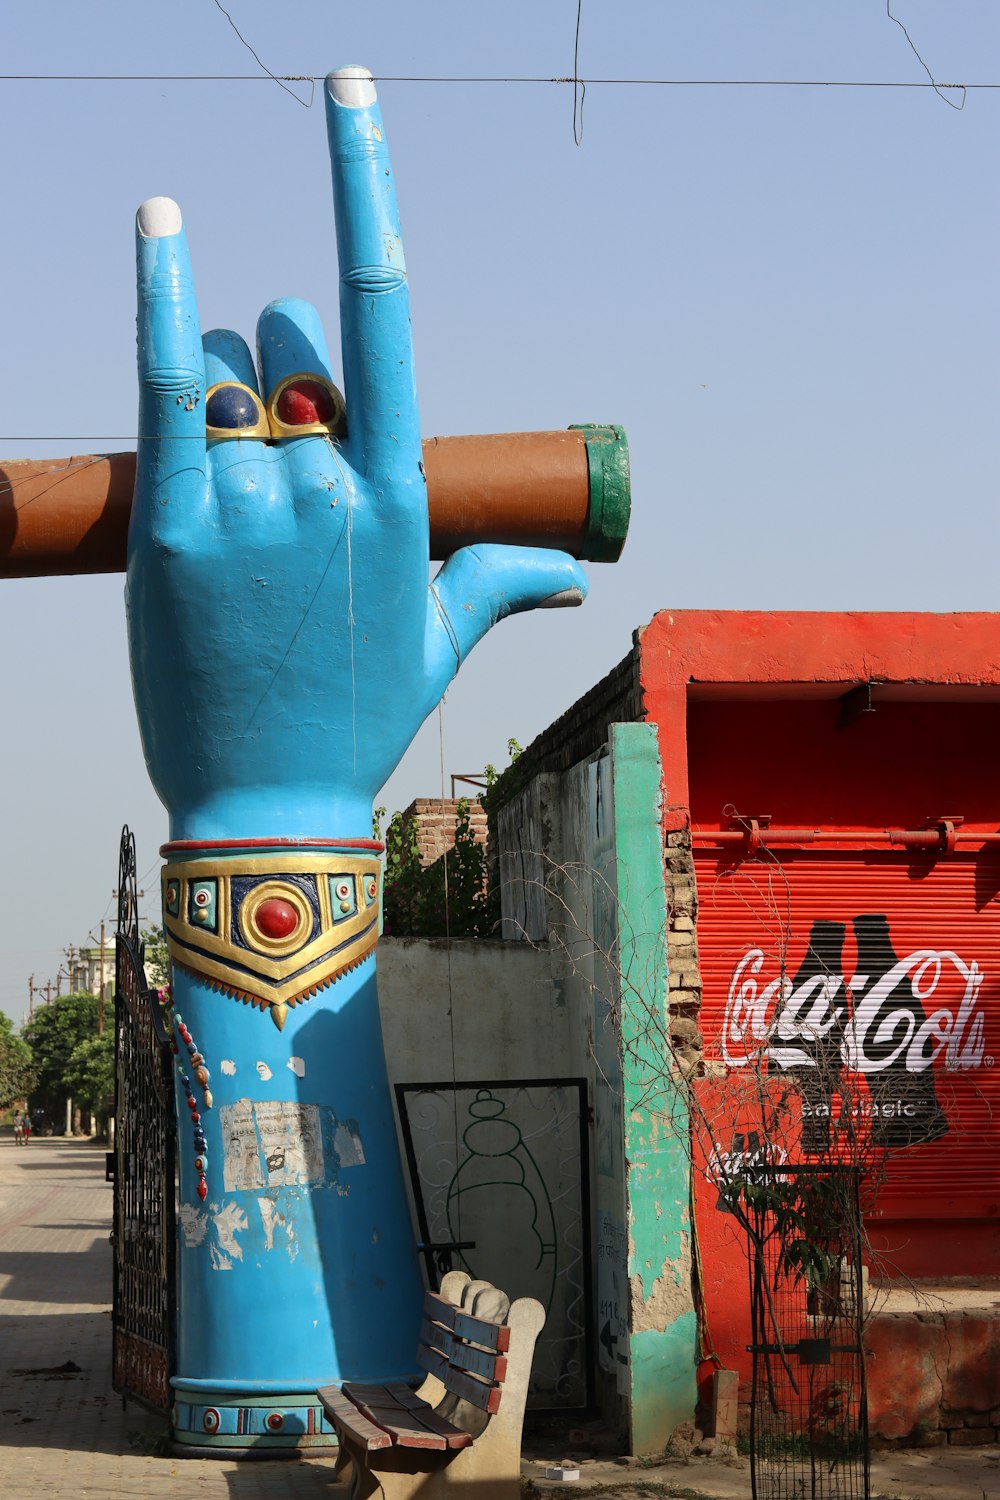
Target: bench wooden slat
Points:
(487, 1397)
(404, 1427)
(401, 1394)
(439, 1309)
(344, 1414)
(438, 1338)
(482, 1331)
(455, 1437)
(410, 1420)
(491, 1367)
(431, 1361)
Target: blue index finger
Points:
(383, 425)
(171, 367)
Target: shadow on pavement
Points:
(41, 1276)
(306, 1479)
(54, 1162)
(47, 1403)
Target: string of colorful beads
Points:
(177, 1028)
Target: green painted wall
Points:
(662, 1322)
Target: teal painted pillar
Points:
(662, 1323)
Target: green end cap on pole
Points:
(610, 491)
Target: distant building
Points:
(92, 970)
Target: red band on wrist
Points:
(204, 846)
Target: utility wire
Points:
(675, 83)
(579, 87)
(934, 84)
(281, 82)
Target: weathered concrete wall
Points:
(579, 989)
(582, 865)
(934, 1366)
(499, 1004)
(529, 840)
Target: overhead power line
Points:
(674, 83)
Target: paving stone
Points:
(68, 1436)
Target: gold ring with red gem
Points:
(306, 403)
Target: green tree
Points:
(157, 959)
(90, 1073)
(53, 1034)
(17, 1074)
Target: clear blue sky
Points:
(787, 296)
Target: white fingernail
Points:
(157, 217)
(353, 87)
(564, 598)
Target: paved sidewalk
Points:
(64, 1433)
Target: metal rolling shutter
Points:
(942, 923)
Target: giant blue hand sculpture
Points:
(285, 649)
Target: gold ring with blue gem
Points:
(233, 411)
(306, 403)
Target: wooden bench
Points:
(462, 1426)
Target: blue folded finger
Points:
(383, 425)
(228, 358)
(234, 411)
(299, 393)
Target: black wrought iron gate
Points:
(809, 1410)
(143, 1235)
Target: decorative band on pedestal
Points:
(271, 929)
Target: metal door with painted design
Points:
(500, 1172)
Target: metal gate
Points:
(143, 1235)
(808, 1409)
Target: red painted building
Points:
(835, 779)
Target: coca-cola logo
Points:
(909, 1013)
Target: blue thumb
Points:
(479, 586)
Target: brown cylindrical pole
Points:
(545, 489)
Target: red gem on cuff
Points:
(276, 918)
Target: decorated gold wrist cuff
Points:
(306, 403)
(271, 929)
(234, 411)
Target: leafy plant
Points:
(448, 898)
(90, 1073)
(53, 1034)
(156, 958)
(17, 1074)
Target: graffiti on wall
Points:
(500, 1170)
(892, 1021)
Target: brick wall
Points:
(435, 822)
(682, 952)
(582, 730)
